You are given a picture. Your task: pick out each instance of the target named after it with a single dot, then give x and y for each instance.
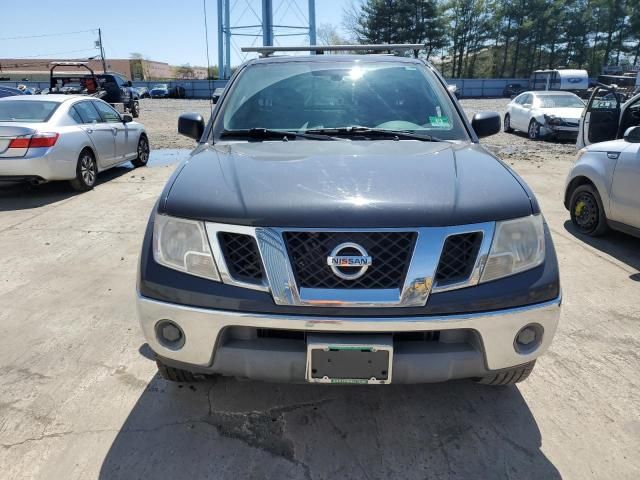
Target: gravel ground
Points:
(160, 117)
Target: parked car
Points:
(544, 114)
(217, 93)
(602, 187)
(607, 116)
(159, 91)
(143, 92)
(177, 91)
(65, 137)
(9, 91)
(318, 234)
(512, 89)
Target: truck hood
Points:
(345, 184)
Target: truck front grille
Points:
(458, 258)
(391, 253)
(242, 257)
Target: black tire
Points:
(143, 152)
(508, 377)
(587, 212)
(177, 374)
(86, 172)
(534, 130)
(507, 124)
(135, 109)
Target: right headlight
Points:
(183, 245)
(518, 245)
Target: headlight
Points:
(518, 245)
(553, 120)
(183, 245)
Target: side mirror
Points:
(127, 118)
(191, 125)
(486, 123)
(632, 135)
(526, 105)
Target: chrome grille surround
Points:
(419, 281)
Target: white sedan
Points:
(66, 137)
(544, 114)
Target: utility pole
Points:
(104, 64)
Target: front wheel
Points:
(143, 152)
(507, 124)
(534, 130)
(86, 172)
(135, 109)
(587, 213)
(508, 377)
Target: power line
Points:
(59, 53)
(48, 34)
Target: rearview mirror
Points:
(486, 123)
(632, 135)
(127, 119)
(191, 125)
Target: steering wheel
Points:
(399, 125)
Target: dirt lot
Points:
(79, 398)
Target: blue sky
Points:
(164, 30)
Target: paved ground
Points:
(79, 399)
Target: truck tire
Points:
(508, 377)
(135, 109)
(177, 374)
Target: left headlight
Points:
(183, 245)
(518, 245)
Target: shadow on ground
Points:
(244, 429)
(24, 196)
(621, 246)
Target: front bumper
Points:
(206, 348)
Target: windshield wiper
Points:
(358, 130)
(270, 133)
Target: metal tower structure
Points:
(245, 22)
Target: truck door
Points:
(600, 118)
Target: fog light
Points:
(170, 334)
(528, 338)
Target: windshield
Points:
(300, 96)
(160, 86)
(560, 101)
(26, 111)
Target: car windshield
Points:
(300, 96)
(26, 111)
(160, 86)
(560, 101)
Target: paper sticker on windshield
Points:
(439, 122)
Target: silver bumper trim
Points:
(202, 328)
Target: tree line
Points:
(502, 38)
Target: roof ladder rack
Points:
(267, 51)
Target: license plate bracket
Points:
(347, 359)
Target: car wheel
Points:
(587, 213)
(534, 130)
(86, 172)
(177, 374)
(508, 377)
(143, 152)
(135, 109)
(507, 124)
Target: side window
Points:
(119, 80)
(107, 113)
(75, 115)
(520, 99)
(527, 99)
(87, 112)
